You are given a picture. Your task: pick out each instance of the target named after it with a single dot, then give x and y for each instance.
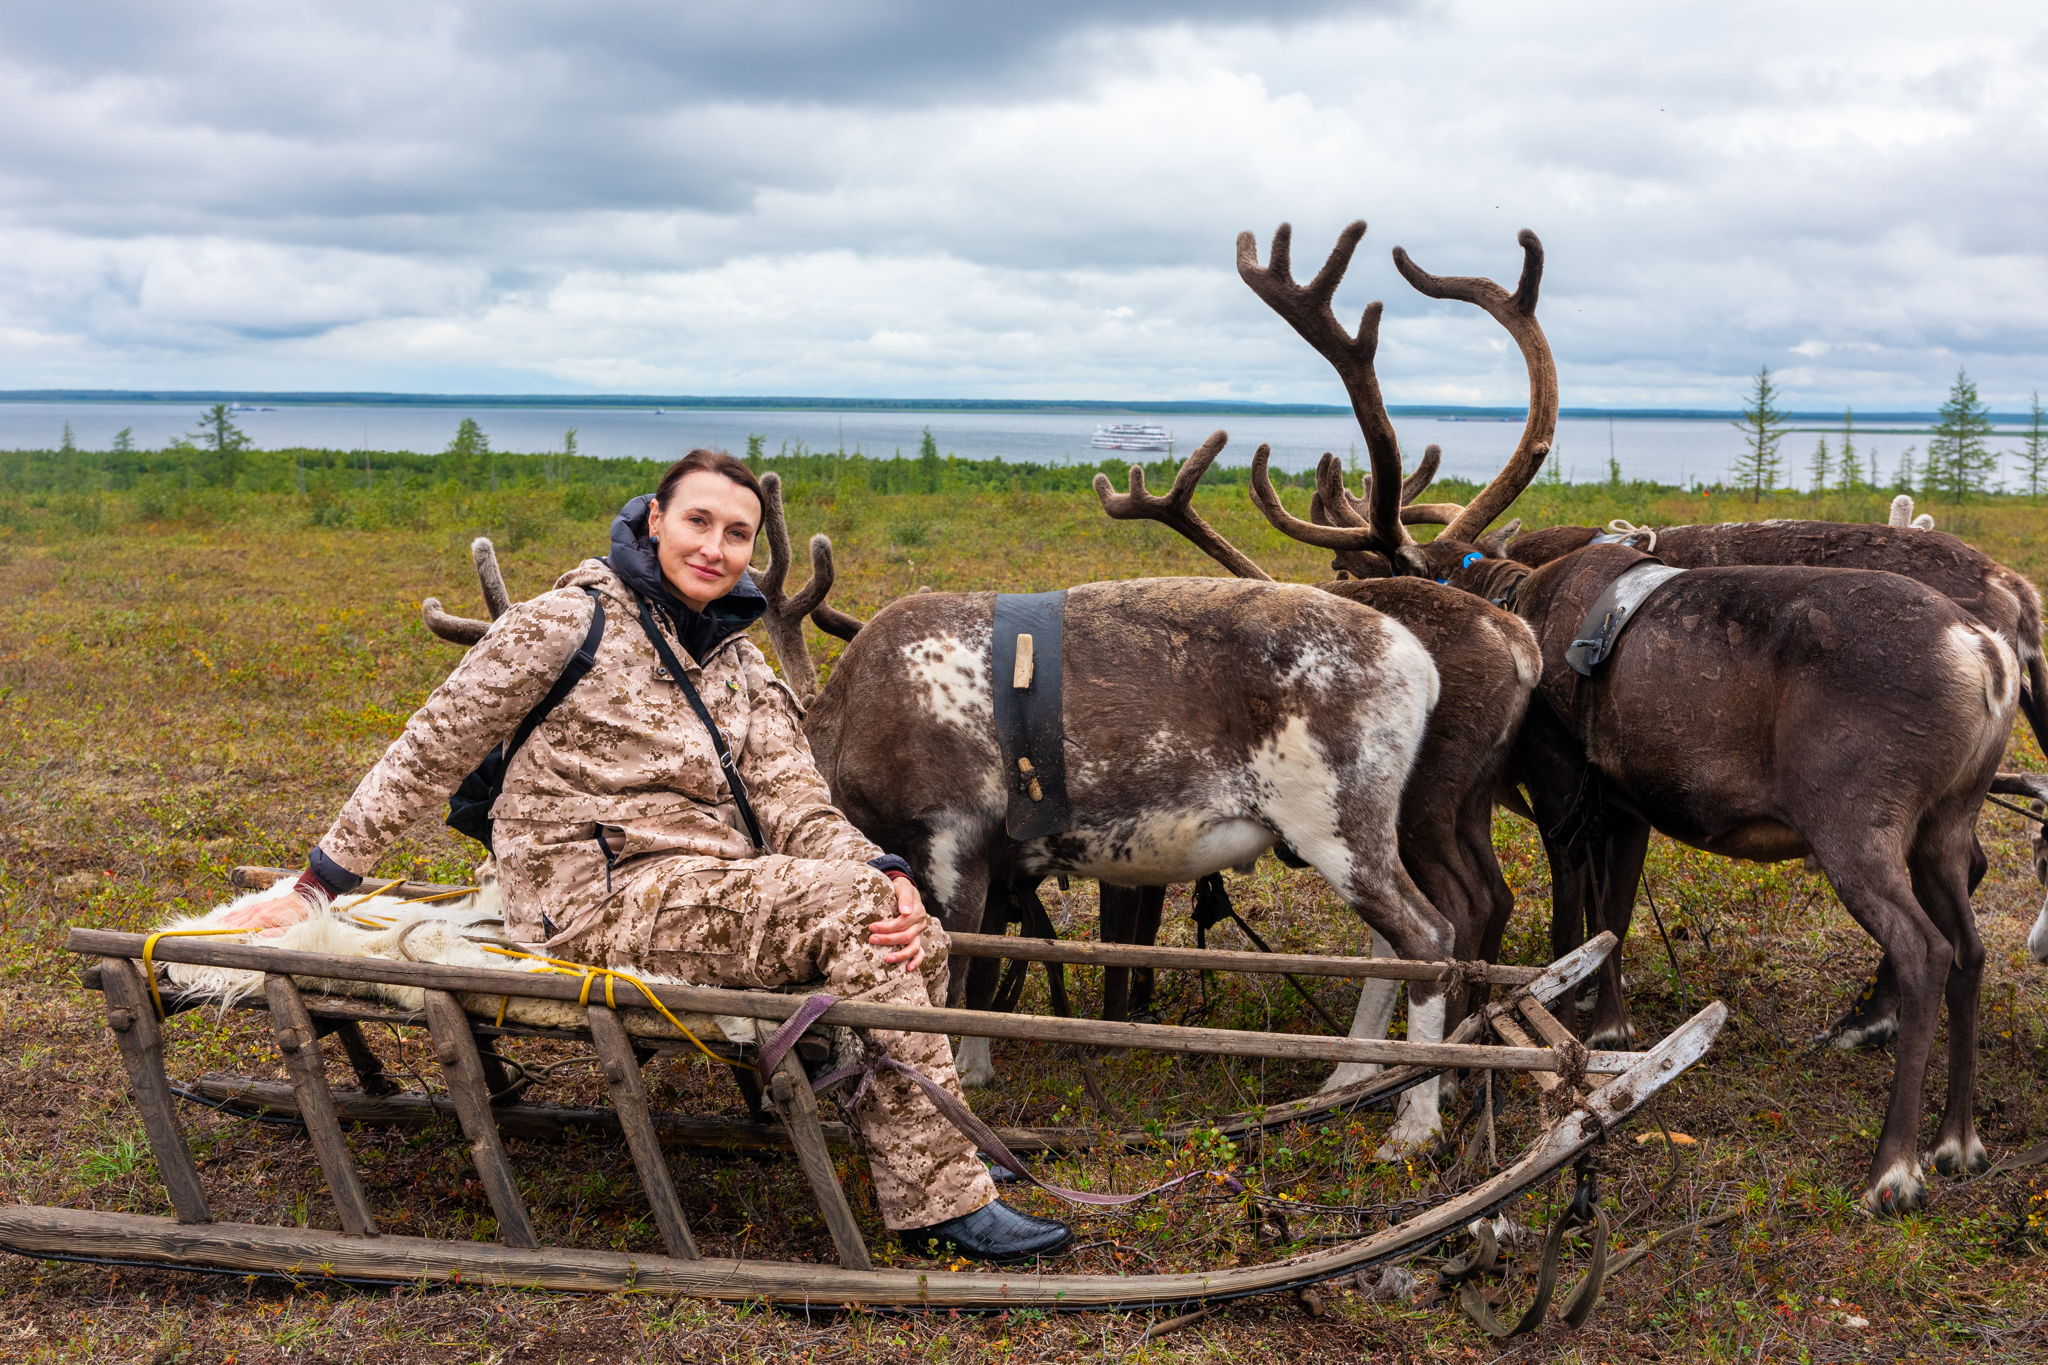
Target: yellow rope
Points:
(590, 977)
(149, 953)
(370, 895)
(441, 896)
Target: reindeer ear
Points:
(1495, 542)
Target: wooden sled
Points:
(1595, 1090)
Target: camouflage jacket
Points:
(620, 774)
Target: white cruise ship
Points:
(1133, 436)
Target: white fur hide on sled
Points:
(453, 933)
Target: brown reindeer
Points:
(1758, 712)
(1486, 662)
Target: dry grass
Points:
(177, 698)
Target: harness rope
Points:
(1628, 530)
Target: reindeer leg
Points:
(975, 984)
(1388, 901)
(1869, 876)
(1375, 1015)
(1618, 858)
(1119, 922)
(1872, 1019)
(1151, 905)
(1941, 883)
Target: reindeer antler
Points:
(1177, 508)
(1517, 313)
(1330, 491)
(1306, 308)
(456, 630)
(785, 616)
(1360, 543)
(464, 630)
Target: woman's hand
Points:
(272, 912)
(905, 932)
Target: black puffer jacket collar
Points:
(633, 559)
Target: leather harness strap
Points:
(1611, 612)
(1030, 717)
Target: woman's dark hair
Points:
(714, 462)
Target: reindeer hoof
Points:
(1620, 1037)
(1956, 1159)
(1897, 1192)
(1854, 1034)
(973, 1064)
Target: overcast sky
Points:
(881, 197)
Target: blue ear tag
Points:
(1467, 562)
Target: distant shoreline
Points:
(697, 402)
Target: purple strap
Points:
(948, 1104)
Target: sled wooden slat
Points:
(1505, 1024)
(1090, 954)
(629, 1098)
(857, 1014)
(799, 1109)
(300, 1043)
(131, 1014)
(455, 1046)
(1550, 1031)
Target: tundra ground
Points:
(178, 696)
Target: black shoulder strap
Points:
(572, 673)
(725, 758)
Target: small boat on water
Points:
(1133, 436)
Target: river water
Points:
(1667, 450)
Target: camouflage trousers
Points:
(765, 923)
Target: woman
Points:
(619, 840)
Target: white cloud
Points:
(890, 198)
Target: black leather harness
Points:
(1030, 716)
(1611, 612)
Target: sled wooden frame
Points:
(1617, 1083)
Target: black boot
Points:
(995, 1232)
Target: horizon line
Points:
(825, 403)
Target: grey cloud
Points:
(879, 197)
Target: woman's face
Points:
(706, 532)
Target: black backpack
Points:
(469, 809)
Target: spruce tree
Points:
(124, 440)
(2034, 454)
(225, 441)
(1819, 467)
(69, 444)
(464, 458)
(1762, 427)
(1852, 473)
(1906, 472)
(928, 465)
(1959, 459)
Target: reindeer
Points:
(1758, 712)
(2000, 598)
(1205, 721)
